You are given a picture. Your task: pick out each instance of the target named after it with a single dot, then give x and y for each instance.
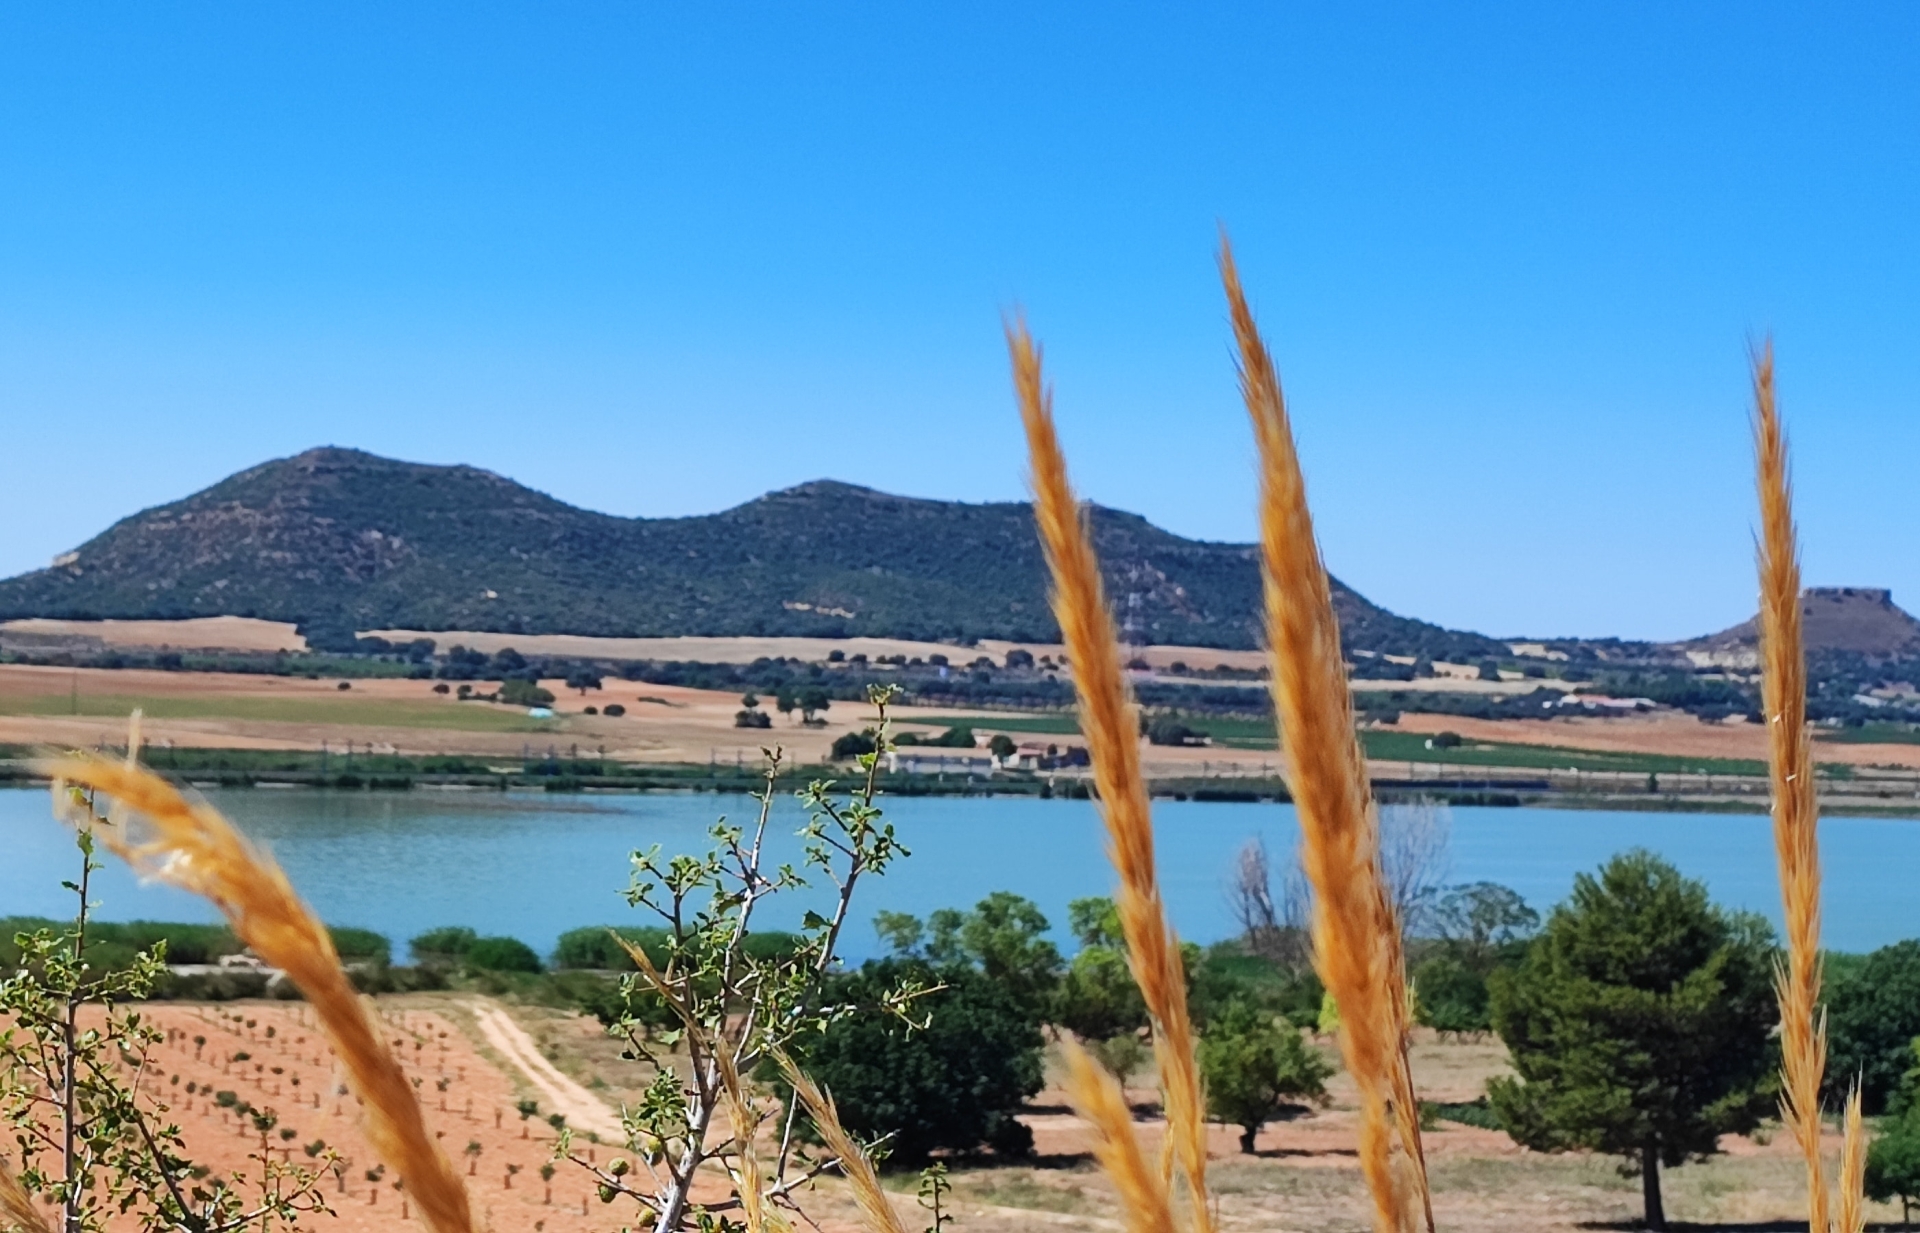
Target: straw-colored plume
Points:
(1852, 1217)
(1097, 1097)
(1356, 937)
(17, 1212)
(1111, 724)
(749, 1174)
(189, 845)
(1796, 843)
(854, 1162)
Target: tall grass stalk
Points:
(189, 845)
(876, 1209)
(1112, 726)
(1098, 1098)
(17, 1212)
(1356, 938)
(1796, 842)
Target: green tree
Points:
(958, 1082)
(1873, 1012)
(1004, 935)
(501, 955)
(1638, 1022)
(812, 700)
(1257, 1070)
(1001, 746)
(1893, 1167)
(852, 745)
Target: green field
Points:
(1871, 734)
(356, 712)
(1390, 746)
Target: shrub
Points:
(957, 1084)
(614, 710)
(1166, 730)
(448, 942)
(752, 719)
(1257, 1070)
(852, 745)
(501, 955)
(524, 693)
(1452, 996)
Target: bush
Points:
(501, 955)
(524, 693)
(1257, 1070)
(449, 942)
(752, 719)
(852, 745)
(1166, 730)
(614, 710)
(593, 948)
(1452, 997)
(957, 1084)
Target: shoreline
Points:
(694, 779)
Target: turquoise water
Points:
(535, 865)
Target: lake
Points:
(534, 865)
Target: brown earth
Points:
(1304, 1175)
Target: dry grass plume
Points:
(1097, 1097)
(1853, 1170)
(189, 845)
(874, 1204)
(1111, 724)
(1356, 938)
(1796, 844)
(16, 1206)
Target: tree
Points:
(1257, 1070)
(958, 1082)
(1873, 1012)
(500, 955)
(583, 680)
(737, 1004)
(1273, 920)
(1019, 658)
(1479, 919)
(1004, 935)
(852, 745)
(1414, 839)
(1001, 746)
(811, 701)
(1893, 1167)
(1638, 1022)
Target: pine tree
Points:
(1638, 1023)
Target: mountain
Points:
(1849, 620)
(338, 540)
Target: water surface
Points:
(533, 865)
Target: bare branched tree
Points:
(1273, 923)
(1415, 860)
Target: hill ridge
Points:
(336, 539)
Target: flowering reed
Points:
(1111, 724)
(1097, 1097)
(874, 1205)
(1356, 938)
(1796, 844)
(188, 844)
(17, 1212)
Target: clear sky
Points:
(657, 259)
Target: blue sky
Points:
(659, 259)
